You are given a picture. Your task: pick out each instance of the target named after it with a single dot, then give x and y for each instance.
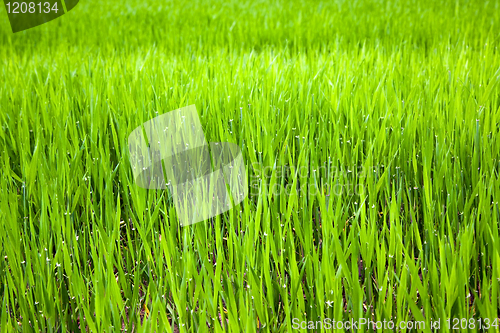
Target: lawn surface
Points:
(370, 130)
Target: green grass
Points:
(395, 102)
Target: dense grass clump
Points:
(371, 134)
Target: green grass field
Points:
(370, 130)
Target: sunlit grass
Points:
(371, 136)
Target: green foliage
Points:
(371, 134)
